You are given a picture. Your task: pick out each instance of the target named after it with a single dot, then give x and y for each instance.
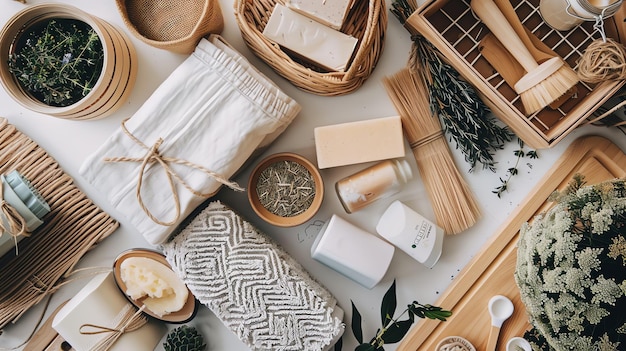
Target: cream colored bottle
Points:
(379, 181)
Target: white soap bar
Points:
(309, 39)
(353, 252)
(101, 303)
(357, 142)
(329, 12)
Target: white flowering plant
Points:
(571, 264)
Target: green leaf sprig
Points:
(520, 153)
(393, 329)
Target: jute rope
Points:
(602, 61)
(15, 224)
(153, 156)
(132, 319)
(73, 226)
(429, 138)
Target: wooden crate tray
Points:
(491, 271)
(457, 32)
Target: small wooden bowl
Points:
(267, 215)
(182, 316)
(459, 341)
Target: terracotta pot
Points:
(116, 79)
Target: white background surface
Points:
(70, 142)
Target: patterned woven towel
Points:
(256, 289)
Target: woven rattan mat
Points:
(73, 226)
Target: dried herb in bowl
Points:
(286, 188)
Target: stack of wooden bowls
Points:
(116, 80)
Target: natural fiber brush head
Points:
(543, 85)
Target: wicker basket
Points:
(366, 21)
(177, 26)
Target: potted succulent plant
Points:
(184, 338)
(571, 268)
(58, 60)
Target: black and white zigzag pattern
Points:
(260, 292)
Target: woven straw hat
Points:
(172, 25)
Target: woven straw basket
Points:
(367, 21)
(176, 26)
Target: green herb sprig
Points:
(58, 63)
(464, 116)
(393, 329)
(466, 119)
(520, 153)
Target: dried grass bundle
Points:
(452, 200)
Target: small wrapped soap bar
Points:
(18, 193)
(358, 142)
(329, 12)
(309, 39)
(100, 305)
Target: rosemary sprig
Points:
(512, 171)
(464, 116)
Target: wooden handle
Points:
(494, 333)
(491, 16)
(509, 13)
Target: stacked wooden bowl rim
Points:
(116, 80)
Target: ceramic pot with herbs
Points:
(58, 60)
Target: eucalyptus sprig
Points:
(520, 153)
(393, 329)
(58, 63)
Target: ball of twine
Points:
(602, 61)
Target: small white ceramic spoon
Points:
(500, 309)
(517, 343)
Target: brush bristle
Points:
(549, 89)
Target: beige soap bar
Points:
(358, 142)
(309, 39)
(329, 12)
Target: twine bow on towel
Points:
(131, 320)
(153, 156)
(11, 221)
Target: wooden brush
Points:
(543, 83)
(452, 200)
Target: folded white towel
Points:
(253, 286)
(212, 112)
